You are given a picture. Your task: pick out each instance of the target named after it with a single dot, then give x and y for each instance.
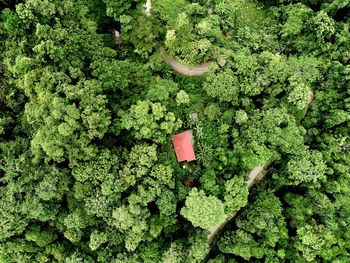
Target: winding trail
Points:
(184, 69)
(310, 99)
(257, 174)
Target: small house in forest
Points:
(183, 145)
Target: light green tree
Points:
(308, 167)
(203, 211)
(182, 97)
(149, 120)
(223, 86)
(236, 194)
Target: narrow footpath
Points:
(184, 69)
(257, 174)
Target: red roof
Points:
(183, 145)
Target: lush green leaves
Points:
(150, 120)
(236, 194)
(263, 219)
(203, 211)
(87, 169)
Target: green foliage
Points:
(161, 90)
(168, 10)
(236, 194)
(182, 98)
(209, 183)
(150, 120)
(116, 75)
(117, 8)
(283, 131)
(205, 154)
(87, 168)
(313, 240)
(262, 215)
(336, 117)
(223, 86)
(199, 247)
(174, 254)
(140, 160)
(299, 96)
(296, 21)
(190, 40)
(41, 236)
(308, 167)
(241, 117)
(60, 127)
(212, 111)
(140, 31)
(203, 211)
(97, 239)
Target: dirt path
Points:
(212, 231)
(257, 174)
(184, 69)
(148, 7)
(310, 99)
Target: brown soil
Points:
(257, 174)
(184, 69)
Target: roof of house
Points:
(183, 145)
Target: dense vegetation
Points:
(87, 168)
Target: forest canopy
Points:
(93, 91)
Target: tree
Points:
(161, 90)
(236, 194)
(251, 240)
(209, 183)
(199, 247)
(305, 168)
(224, 86)
(324, 26)
(174, 254)
(116, 9)
(182, 98)
(140, 160)
(42, 237)
(87, 168)
(282, 131)
(203, 211)
(298, 15)
(299, 96)
(314, 240)
(149, 120)
(55, 132)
